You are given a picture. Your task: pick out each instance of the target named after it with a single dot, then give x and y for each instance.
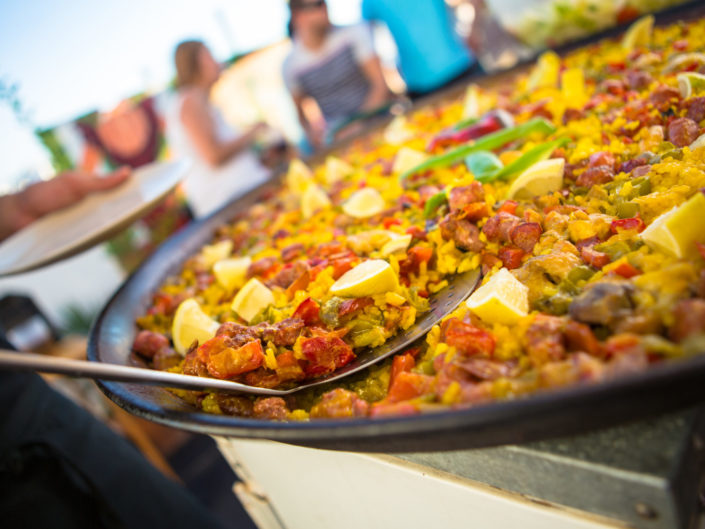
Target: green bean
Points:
(489, 142)
(526, 160)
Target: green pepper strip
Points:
(526, 160)
(433, 203)
(465, 123)
(489, 142)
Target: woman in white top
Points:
(224, 164)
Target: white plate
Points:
(91, 221)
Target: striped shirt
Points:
(332, 75)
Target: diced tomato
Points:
(510, 257)
(416, 233)
(509, 206)
(230, 362)
(288, 367)
(309, 311)
(343, 264)
(350, 306)
(633, 223)
(287, 359)
(408, 386)
(401, 363)
(325, 354)
(467, 338)
(626, 270)
(387, 222)
(414, 257)
(475, 211)
(593, 257)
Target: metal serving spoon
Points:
(442, 304)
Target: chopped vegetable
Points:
(489, 142)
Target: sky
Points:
(69, 57)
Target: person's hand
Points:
(21, 209)
(81, 184)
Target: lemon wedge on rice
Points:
(545, 73)
(191, 324)
(251, 299)
(541, 178)
(398, 243)
(407, 159)
(676, 231)
(212, 253)
(337, 169)
(503, 299)
(638, 34)
(299, 176)
(364, 203)
(232, 273)
(314, 199)
(374, 276)
(690, 83)
(698, 143)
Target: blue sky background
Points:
(72, 56)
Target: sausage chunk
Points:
(682, 132)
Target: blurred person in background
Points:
(59, 466)
(334, 66)
(431, 54)
(225, 165)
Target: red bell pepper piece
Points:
(626, 270)
(633, 223)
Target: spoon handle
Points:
(11, 360)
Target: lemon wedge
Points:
(573, 87)
(698, 143)
(676, 231)
(503, 299)
(638, 34)
(231, 273)
(690, 83)
(191, 324)
(541, 178)
(545, 73)
(299, 176)
(314, 199)
(476, 103)
(371, 277)
(212, 253)
(252, 298)
(398, 131)
(397, 244)
(364, 203)
(337, 169)
(407, 159)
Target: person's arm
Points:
(379, 91)
(21, 209)
(197, 121)
(314, 131)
